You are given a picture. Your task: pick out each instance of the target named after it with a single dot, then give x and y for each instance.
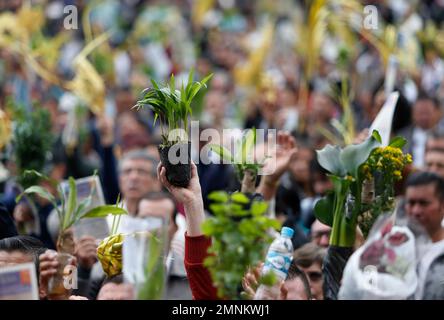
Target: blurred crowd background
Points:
(313, 68)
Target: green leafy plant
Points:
(242, 159)
(340, 208)
(239, 229)
(69, 211)
(172, 106)
(32, 140)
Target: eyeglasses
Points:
(142, 172)
(314, 276)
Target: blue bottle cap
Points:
(287, 232)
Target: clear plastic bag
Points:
(384, 267)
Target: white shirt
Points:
(419, 138)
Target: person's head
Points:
(137, 175)
(20, 249)
(323, 107)
(426, 112)
(309, 259)
(215, 106)
(319, 179)
(297, 285)
(434, 156)
(115, 288)
(132, 131)
(320, 234)
(300, 165)
(159, 205)
(425, 202)
(435, 140)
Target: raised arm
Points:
(196, 244)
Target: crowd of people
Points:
(260, 80)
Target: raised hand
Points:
(190, 197)
(277, 164)
(86, 252)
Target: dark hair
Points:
(425, 178)
(308, 254)
(25, 244)
(117, 279)
(402, 116)
(294, 272)
(424, 96)
(434, 135)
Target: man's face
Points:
(162, 208)
(435, 162)
(114, 291)
(435, 143)
(13, 258)
(425, 114)
(296, 289)
(423, 205)
(314, 276)
(320, 234)
(135, 179)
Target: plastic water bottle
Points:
(279, 257)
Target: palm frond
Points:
(170, 105)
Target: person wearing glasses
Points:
(308, 259)
(320, 234)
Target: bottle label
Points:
(277, 263)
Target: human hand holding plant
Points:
(48, 268)
(172, 107)
(70, 211)
(190, 197)
(86, 252)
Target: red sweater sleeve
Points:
(198, 276)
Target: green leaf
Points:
(172, 82)
(190, 77)
(103, 211)
(268, 279)
(239, 197)
(222, 152)
(329, 159)
(259, 208)
(40, 192)
(248, 142)
(398, 142)
(71, 204)
(205, 80)
(353, 156)
(324, 209)
(80, 210)
(218, 196)
(207, 228)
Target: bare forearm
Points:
(267, 188)
(195, 216)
